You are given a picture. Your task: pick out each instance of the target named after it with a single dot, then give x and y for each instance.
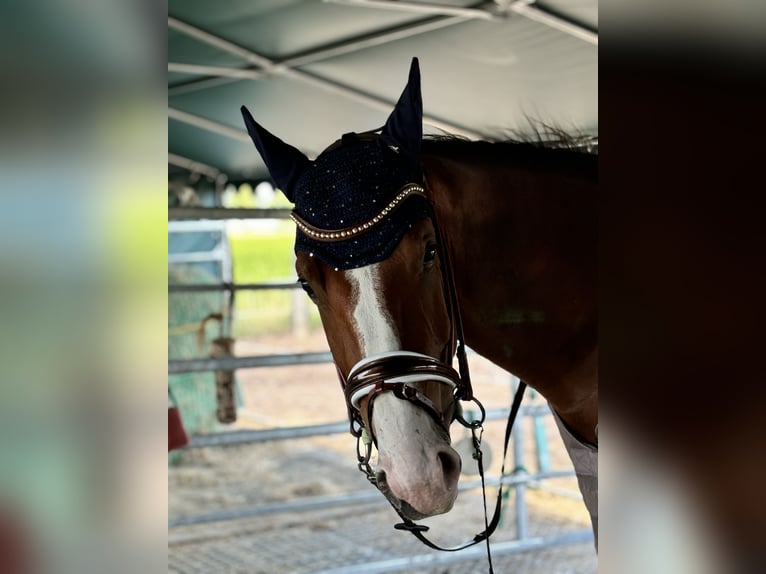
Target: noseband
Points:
(398, 372)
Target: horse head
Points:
(369, 255)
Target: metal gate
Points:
(518, 480)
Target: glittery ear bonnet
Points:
(355, 202)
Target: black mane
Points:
(543, 145)
(540, 136)
(543, 154)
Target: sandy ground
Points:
(234, 477)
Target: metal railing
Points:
(519, 479)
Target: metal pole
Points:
(179, 366)
(218, 42)
(370, 496)
(208, 124)
(193, 166)
(519, 469)
(541, 440)
(374, 40)
(525, 8)
(474, 553)
(528, 10)
(205, 287)
(238, 73)
(324, 53)
(240, 437)
(310, 78)
(183, 213)
(417, 8)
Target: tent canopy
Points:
(310, 70)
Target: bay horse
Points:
(414, 247)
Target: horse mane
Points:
(544, 144)
(541, 135)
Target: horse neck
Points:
(522, 239)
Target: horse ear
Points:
(404, 127)
(284, 162)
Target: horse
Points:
(413, 247)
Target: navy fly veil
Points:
(350, 186)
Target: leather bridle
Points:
(398, 372)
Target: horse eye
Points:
(430, 255)
(307, 288)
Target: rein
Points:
(398, 371)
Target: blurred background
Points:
(84, 247)
(311, 71)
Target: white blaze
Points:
(413, 469)
(373, 323)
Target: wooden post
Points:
(226, 411)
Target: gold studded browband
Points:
(332, 235)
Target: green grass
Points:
(261, 258)
(267, 257)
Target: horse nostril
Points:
(451, 464)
